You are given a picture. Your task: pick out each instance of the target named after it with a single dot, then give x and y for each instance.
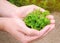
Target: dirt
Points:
(52, 37)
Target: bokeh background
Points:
(52, 37)
(52, 5)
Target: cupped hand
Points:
(13, 26)
(20, 13)
(27, 9)
(9, 10)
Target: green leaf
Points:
(37, 20)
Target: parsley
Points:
(37, 20)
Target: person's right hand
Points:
(18, 29)
(10, 24)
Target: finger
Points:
(29, 39)
(30, 8)
(24, 39)
(46, 30)
(19, 36)
(34, 32)
(36, 7)
(27, 9)
(52, 21)
(42, 10)
(51, 17)
(51, 28)
(43, 31)
(30, 32)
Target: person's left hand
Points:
(9, 10)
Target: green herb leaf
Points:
(37, 20)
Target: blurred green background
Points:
(51, 5)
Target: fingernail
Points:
(52, 21)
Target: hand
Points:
(27, 9)
(14, 27)
(9, 10)
(21, 12)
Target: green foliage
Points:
(37, 20)
(19, 2)
(51, 5)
